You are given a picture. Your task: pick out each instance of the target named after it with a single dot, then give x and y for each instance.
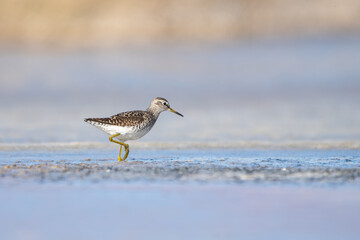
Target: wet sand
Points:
(212, 165)
(179, 194)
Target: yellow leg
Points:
(119, 156)
(121, 144)
(126, 151)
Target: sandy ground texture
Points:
(214, 165)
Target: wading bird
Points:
(131, 125)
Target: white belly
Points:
(126, 133)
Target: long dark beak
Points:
(172, 110)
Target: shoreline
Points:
(175, 145)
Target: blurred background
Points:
(240, 71)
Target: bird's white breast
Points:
(126, 133)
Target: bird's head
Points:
(161, 104)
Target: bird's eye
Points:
(164, 103)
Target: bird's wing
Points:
(122, 119)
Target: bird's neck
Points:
(154, 111)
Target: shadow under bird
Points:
(131, 125)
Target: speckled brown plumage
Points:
(125, 119)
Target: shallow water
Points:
(213, 165)
(269, 90)
(152, 211)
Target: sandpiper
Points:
(131, 125)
